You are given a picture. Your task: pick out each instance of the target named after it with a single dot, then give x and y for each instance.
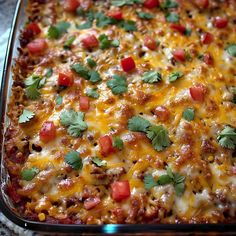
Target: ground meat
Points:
(207, 146)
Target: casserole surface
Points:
(175, 87)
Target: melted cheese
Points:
(106, 115)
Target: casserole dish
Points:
(172, 179)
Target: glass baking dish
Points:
(7, 207)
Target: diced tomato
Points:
(71, 5)
(162, 113)
(37, 46)
(179, 55)
(151, 3)
(207, 58)
(116, 14)
(202, 3)
(106, 146)
(197, 92)
(128, 64)
(220, 22)
(178, 27)
(207, 38)
(34, 28)
(234, 170)
(150, 42)
(47, 132)
(92, 202)
(84, 103)
(90, 41)
(65, 79)
(120, 190)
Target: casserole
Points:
(150, 177)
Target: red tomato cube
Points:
(150, 42)
(106, 145)
(151, 3)
(65, 79)
(90, 41)
(47, 132)
(37, 46)
(128, 64)
(71, 5)
(120, 190)
(84, 103)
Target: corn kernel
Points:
(41, 216)
(210, 158)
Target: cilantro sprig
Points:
(120, 3)
(172, 17)
(118, 84)
(74, 122)
(105, 42)
(188, 114)
(157, 134)
(29, 174)
(74, 160)
(34, 83)
(26, 116)
(68, 43)
(91, 75)
(176, 179)
(175, 75)
(98, 162)
(227, 138)
(56, 31)
(92, 93)
(169, 4)
(144, 15)
(151, 77)
(231, 49)
(118, 143)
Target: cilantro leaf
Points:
(151, 77)
(120, 3)
(164, 179)
(118, 143)
(88, 24)
(177, 180)
(231, 49)
(69, 42)
(74, 160)
(103, 20)
(188, 114)
(26, 116)
(29, 174)
(118, 84)
(159, 137)
(149, 182)
(169, 4)
(179, 189)
(138, 124)
(176, 75)
(91, 62)
(92, 93)
(49, 73)
(94, 76)
(227, 138)
(115, 43)
(97, 161)
(56, 31)
(172, 17)
(33, 83)
(81, 71)
(104, 42)
(187, 32)
(145, 15)
(74, 121)
(128, 25)
(59, 100)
